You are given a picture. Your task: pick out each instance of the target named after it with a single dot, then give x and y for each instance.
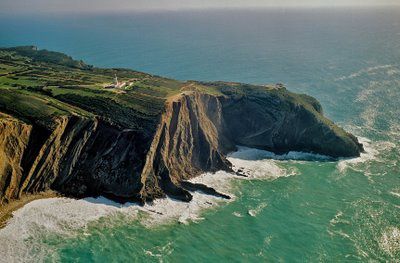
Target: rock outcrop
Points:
(87, 156)
(189, 140)
(197, 130)
(14, 136)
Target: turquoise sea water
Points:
(293, 210)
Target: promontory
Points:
(85, 131)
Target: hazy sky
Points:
(141, 5)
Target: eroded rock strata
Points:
(88, 156)
(67, 126)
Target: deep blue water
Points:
(301, 48)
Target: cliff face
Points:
(14, 137)
(189, 140)
(79, 157)
(281, 125)
(34, 157)
(197, 131)
(65, 132)
(109, 162)
(83, 156)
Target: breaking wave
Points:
(368, 226)
(22, 238)
(246, 153)
(391, 70)
(373, 152)
(390, 241)
(255, 211)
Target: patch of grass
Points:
(38, 85)
(30, 107)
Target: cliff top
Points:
(79, 130)
(38, 85)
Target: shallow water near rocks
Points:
(296, 207)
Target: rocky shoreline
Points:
(92, 142)
(83, 157)
(6, 210)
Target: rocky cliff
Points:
(88, 157)
(14, 136)
(143, 143)
(198, 130)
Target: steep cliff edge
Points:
(82, 156)
(33, 157)
(189, 140)
(197, 130)
(282, 121)
(14, 136)
(67, 133)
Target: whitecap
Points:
(394, 131)
(390, 241)
(369, 70)
(373, 152)
(23, 237)
(254, 212)
(392, 72)
(246, 153)
(237, 214)
(397, 194)
(369, 115)
(335, 219)
(160, 251)
(369, 154)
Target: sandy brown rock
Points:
(14, 136)
(189, 141)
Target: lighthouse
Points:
(116, 83)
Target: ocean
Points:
(293, 208)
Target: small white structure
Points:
(116, 84)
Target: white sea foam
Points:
(397, 194)
(369, 154)
(246, 153)
(260, 164)
(369, 70)
(167, 209)
(22, 237)
(392, 72)
(257, 168)
(394, 131)
(336, 218)
(160, 251)
(255, 211)
(390, 241)
(237, 214)
(364, 94)
(369, 115)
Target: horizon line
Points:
(201, 9)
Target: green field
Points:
(38, 85)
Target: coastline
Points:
(6, 211)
